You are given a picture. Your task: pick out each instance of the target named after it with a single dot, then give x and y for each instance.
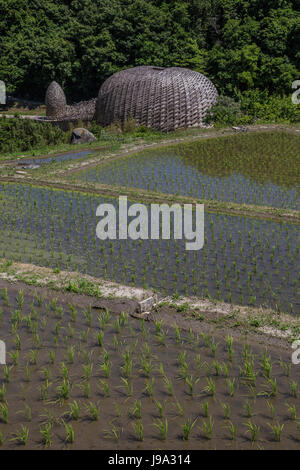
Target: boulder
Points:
(82, 136)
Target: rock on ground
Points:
(82, 136)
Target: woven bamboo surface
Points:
(165, 99)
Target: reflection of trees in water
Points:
(265, 157)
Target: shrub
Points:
(226, 111)
(129, 125)
(267, 108)
(253, 106)
(19, 134)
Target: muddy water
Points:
(59, 158)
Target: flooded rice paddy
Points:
(248, 169)
(55, 159)
(244, 261)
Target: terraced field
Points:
(258, 169)
(87, 379)
(244, 261)
(82, 375)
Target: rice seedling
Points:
(52, 357)
(127, 367)
(146, 365)
(161, 370)
(88, 369)
(93, 410)
(253, 429)
(162, 337)
(44, 390)
(162, 426)
(84, 335)
(247, 372)
(88, 317)
(229, 343)
(271, 409)
(231, 387)
(3, 393)
(225, 370)
(226, 409)
(210, 387)
(274, 388)
(160, 408)
(71, 354)
(136, 411)
(20, 299)
(33, 354)
(191, 382)
(100, 337)
(208, 428)
(205, 408)
(149, 387)
(64, 370)
(28, 412)
(124, 319)
(213, 348)
(138, 429)
(73, 312)
(177, 333)
(74, 411)
(277, 430)
(168, 385)
(46, 373)
(248, 409)
(69, 432)
(187, 428)
(294, 388)
(7, 370)
(15, 357)
(63, 390)
(292, 411)
(117, 326)
(128, 386)
(5, 296)
(4, 412)
(18, 342)
(179, 408)
(267, 365)
(158, 326)
(113, 433)
(45, 432)
(198, 362)
(21, 436)
(106, 367)
(232, 430)
(218, 367)
(104, 388)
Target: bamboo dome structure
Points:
(55, 100)
(58, 109)
(165, 99)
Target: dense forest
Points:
(244, 46)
